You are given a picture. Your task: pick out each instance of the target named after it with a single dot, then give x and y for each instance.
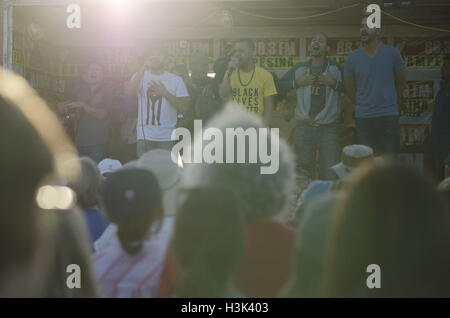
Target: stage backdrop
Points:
(271, 54)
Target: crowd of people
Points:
(153, 228)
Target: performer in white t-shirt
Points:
(161, 96)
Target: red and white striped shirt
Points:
(120, 275)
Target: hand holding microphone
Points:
(232, 65)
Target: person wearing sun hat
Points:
(351, 157)
(314, 216)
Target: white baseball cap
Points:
(109, 165)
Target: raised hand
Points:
(305, 80)
(158, 88)
(327, 80)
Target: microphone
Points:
(232, 66)
(230, 71)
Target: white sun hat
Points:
(352, 156)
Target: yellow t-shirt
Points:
(249, 89)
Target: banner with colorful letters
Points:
(271, 54)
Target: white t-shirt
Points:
(157, 118)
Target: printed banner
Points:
(417, 98)
(65, 62)
(415, 111)
(423, 52)
(171, 61)
(414, 135)
(180, 51)
(340, 48)
(51, 70)
(273, 54)
(185, 48)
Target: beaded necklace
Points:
(251, 78)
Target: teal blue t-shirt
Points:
(376, 94)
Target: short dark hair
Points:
(250, 43)
(133, 200)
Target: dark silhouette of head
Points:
(208, 242)
(390, 215)
(25, 162)
(133, 201)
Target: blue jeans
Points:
(308, 140)
(95, 152)
(380, 133)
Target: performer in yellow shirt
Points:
(248, 84)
